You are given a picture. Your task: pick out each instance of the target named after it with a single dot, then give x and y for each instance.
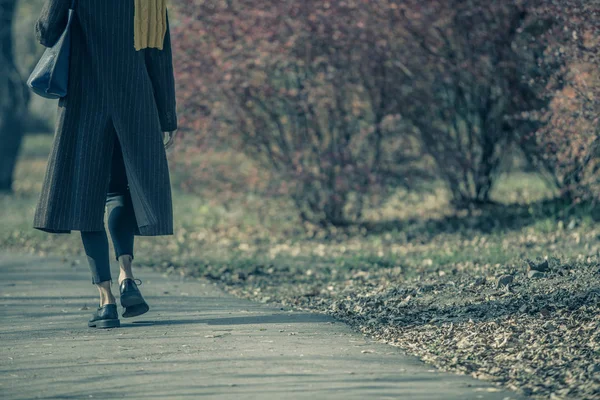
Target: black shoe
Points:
(131, 299)
(105, 317)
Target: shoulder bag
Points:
(50, 76)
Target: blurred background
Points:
(407, 140)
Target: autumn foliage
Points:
(343, 101)
(566, 144)
(300, 88)
(463, 82)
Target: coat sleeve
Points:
(159, 64)
(52, 22)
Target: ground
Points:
(418, 274)
(196, 341)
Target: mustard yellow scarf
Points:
(150, 23)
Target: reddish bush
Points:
(302, 88)
(462, 83)
(343, 101)
(567, 143)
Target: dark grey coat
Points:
(114, 92)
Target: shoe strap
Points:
(138, 281)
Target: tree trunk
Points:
(14, 97)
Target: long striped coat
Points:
(114, 93)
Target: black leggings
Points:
(121, 223)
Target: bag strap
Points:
(72, 4)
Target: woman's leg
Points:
(95, 244)
(121, 224)
(121, 217)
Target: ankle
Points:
(108, 300)
(125, 261)
(125, 267)
(106, 296)
(123, 276)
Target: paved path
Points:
(196, 341)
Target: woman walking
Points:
(108, 153)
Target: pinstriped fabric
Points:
(114, 93)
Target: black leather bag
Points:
(50, 76)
